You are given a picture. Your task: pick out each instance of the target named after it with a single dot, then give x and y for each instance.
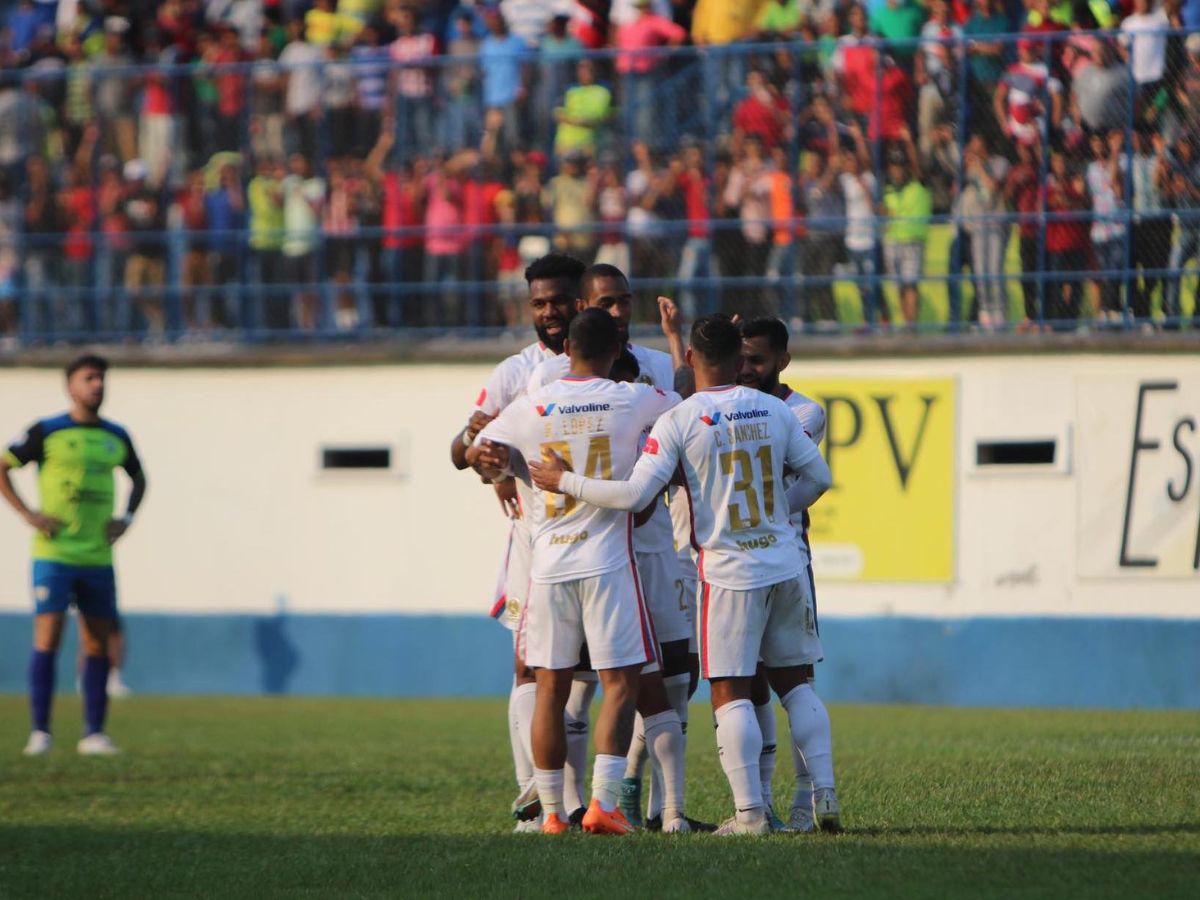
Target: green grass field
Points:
(354, 797)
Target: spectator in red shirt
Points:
(1023, 194)
(77, 212)
(1066, 241)
(763, 113)
(646, 120)
(231, 89)
(697, 249)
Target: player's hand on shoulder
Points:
(477, 423)
(45, 525)
(506, 493)
(115, 529)
(547, 474)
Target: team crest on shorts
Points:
(513, 608)
(41, 593)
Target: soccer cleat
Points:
(677, 825)
(575, 819)
(774, 821)
(117, 688)
(38, 744)
(631, 801)
(97, 744)
(655, 823)
(554, 825)
(597, 821)
(733, 825)
(801, 820)
(527, 806)
(829, 815)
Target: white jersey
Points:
(732, 445)
(656, 369)
(812, 419)
(681, 525)
(505, 384)
(596, 426)
(509, 379)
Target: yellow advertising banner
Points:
(890, 444)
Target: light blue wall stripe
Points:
(971, 662)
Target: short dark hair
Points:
(594, 335)
(769, 327)
(599, 270)
(556, 265)
(716, 338)
(87, 361)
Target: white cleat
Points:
(829, 814)
(676, 825)
(733, 825)
(38, 744)
(530, 826)
(117, 688)
(98, 744)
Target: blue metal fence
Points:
(172, 203)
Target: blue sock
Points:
(41, 688)
(95, 693)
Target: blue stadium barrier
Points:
(1017, 662)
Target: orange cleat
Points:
(597, 821)
(552, 824)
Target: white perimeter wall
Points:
(239, 513)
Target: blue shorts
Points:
(93, 589)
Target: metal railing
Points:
(875, 184)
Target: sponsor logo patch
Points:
(651, 447)
(716, 417)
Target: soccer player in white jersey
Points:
(554, 285)
(584, 578)
(606, 288)
(731, 446)
(765, 356)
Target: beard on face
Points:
(768, 384)
(555, 342)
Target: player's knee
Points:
(760, 688)
(47, 632)
(675, 658)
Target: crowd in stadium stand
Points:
(159, 156)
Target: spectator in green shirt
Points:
(783, 17)
(898, 20)
(908, 205)
(586, 107)
(264, 196)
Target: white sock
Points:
(635, 759)
(577, 716)
(739, 743)
(803, 797)
(766, 760)
(550, 790)
(607, 772)
(677, 694)
(811, 732)
(525, 700)
(522, 764)
(664, 739)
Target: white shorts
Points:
(605, 610)
(513, 585)
(666, 595)
(776, 624)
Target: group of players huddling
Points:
(659, 534)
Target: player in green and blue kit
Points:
(76, 453)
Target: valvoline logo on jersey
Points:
(573, 409)
(735, 416)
